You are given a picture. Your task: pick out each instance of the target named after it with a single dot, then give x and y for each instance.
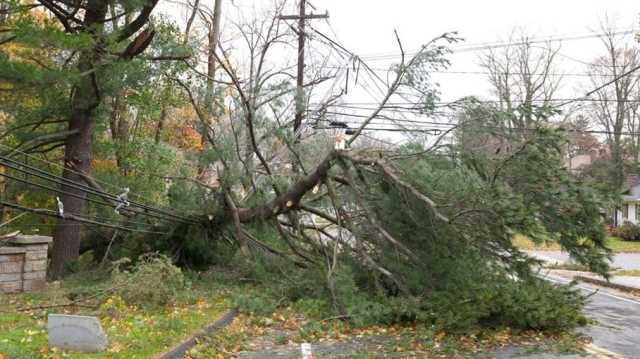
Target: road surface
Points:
(618, 317)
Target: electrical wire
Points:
(447, 72)
(70, 170)
(72, 217)
(502, 44)
(66, 182)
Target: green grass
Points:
(569, 266)
(133, 332)
(525, 243)
(629, 273)
(620, 246)
(617, 245)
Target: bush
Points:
(152, 281)
(529, 304)
(628, 232)
(537, 304)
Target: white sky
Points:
(367, 27)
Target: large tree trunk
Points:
(78, 147)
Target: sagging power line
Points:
(74, 218)
(107, 197)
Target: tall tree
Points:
(612, 107)
(523, 77)
(108, 39)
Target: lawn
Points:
(616, 244)
(136, 332)
(133, 332)
(627, 273)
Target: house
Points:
(630, 209)
(577, 163)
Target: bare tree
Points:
(523, 77)
(612, 106)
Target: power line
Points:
(69, 194)
(453, 125)
(420, 126)
(57, 190)
(436, 131)
(15, 150)
(382, 117)
(576, 37)
(72, 217)
(402, 105)
(564, 103)
(446, 72)
(617, 78)
(65, 182)
(488, 46)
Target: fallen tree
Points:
(413, 232)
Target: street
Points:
(618, 317)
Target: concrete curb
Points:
(601, 352)
(604, 283)
(179, 351)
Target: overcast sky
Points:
(366, 27)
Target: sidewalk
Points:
(626, 261)
(624, 282)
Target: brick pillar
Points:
(34, 270)
(11, 269)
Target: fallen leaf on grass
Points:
(117, 347)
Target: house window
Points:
(625, 211)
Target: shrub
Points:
(484, 298)
(536, 304)
(153, 280)
(628, 232)
(528, 304)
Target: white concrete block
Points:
(33, 266)
(35, 275)
(10, 277)
(76, 333)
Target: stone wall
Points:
(23, 264)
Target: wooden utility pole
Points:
(214, 39)
(301, 17)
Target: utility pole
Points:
(301, 17)
(214, 39)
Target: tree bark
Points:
(78, 147)
(161, 121)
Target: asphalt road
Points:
(618, 328)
